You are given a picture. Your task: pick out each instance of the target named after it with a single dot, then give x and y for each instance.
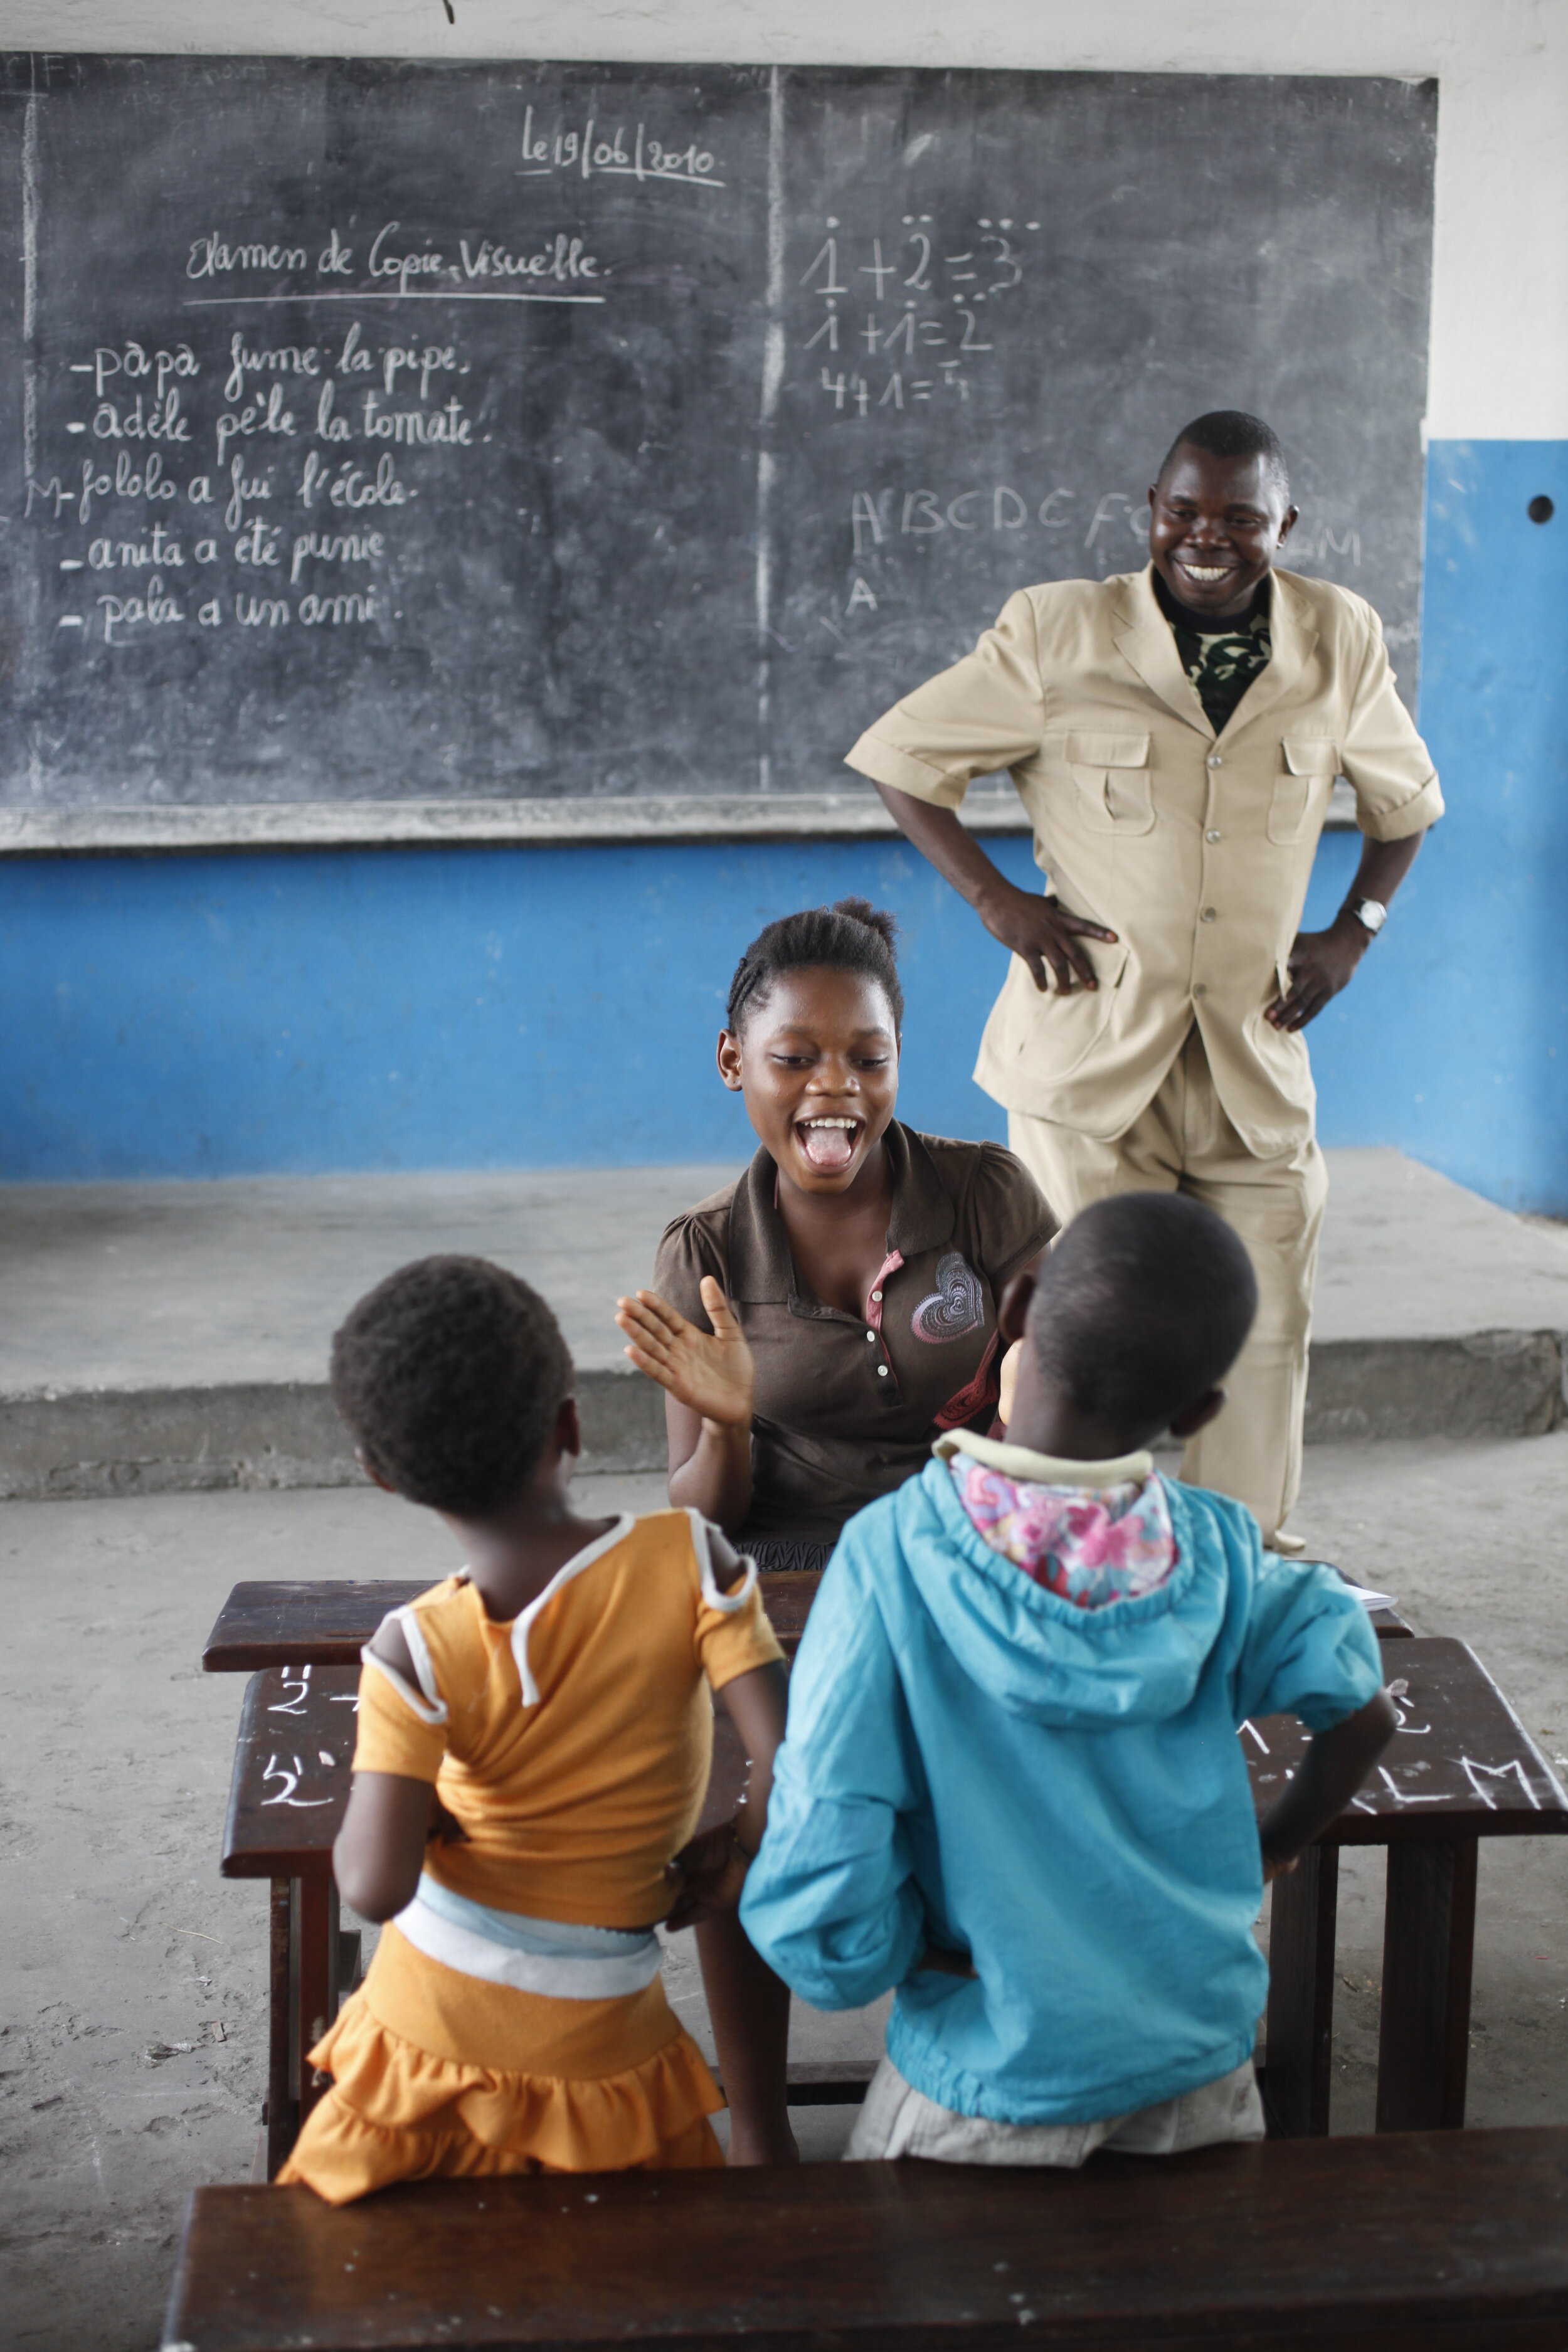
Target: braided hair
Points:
(850, 935)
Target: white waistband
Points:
(542, 1956)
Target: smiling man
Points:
(1175, 735)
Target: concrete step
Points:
(171, 1338)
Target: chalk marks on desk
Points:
(275, 1770)
(296, 1688)
(1479, 1774)
(1457, 1744)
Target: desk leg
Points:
(1428, 1947)
(279, 2080)
(1302, 1993)
(316, 1980)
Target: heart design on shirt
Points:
(955, 1306)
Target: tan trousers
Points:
(1183, 1142)
(898, 2120)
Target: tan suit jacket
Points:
(1196, 851)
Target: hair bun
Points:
(876, 919)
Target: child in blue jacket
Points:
(1011, 1785)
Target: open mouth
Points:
(1206, 575)
(828, 1142)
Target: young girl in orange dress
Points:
(534, 1749)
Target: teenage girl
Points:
(533, 1745)
(817, 1325)
(820, 1322)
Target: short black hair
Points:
(1141, 1307)
(850, 936)
(1232, 433)
(450, 1375)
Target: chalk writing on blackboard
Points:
(362, 407)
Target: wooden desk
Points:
(287, 1797)
(1460, 1768)
(323, 1623)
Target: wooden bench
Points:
(1431, 2242)
(1460, 1768)
(320, 1622)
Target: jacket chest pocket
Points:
(1308, 766)
(1110, 783)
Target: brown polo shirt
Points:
(847, 1406)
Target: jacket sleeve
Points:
(1385, 761)
(831, 1901)
(1309, 1649)
(987, 712)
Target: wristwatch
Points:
(1369, 913)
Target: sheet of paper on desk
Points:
(1363, 1592)
(1370, 1599)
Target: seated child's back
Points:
(1011, 1785)
(534, 1747)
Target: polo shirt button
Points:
(1211, 836)
(881, 1372)
(1207, 915)
(1200, 989)
(871, 1336)
(876, 1297)
(1214, 761)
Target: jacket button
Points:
(1208, 915)
(872, 1336)
(1200, 989)
(1209, 836)
(881, 1372)
(1214, 761)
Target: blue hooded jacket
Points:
(1059, 1792)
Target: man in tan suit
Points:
(1175, 735)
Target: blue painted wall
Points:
(213, 1016)
(210, 1016)
(1453, 1042)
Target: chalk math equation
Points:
(895, 317)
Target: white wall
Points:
(1500, 329)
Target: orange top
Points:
(573, 1744)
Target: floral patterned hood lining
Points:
(1089, 1543)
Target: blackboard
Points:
(547, 446)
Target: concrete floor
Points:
(132, 2030)
(112, 1286)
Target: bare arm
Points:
(1322, 962)
(710, 1382)
(757, 1705)
(379, 1852)
(714, 1864)
(1336, 1764)
(1039, 931)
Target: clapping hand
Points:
(710, 1372)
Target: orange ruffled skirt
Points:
(436, 2072)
